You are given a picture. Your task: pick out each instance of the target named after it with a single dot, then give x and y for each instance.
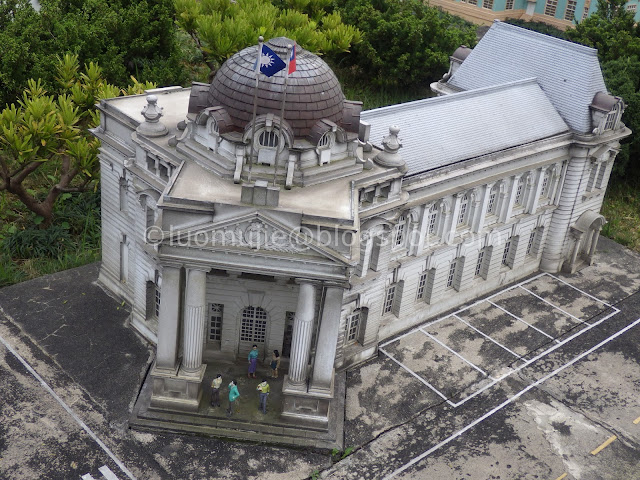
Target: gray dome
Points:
(313, 91)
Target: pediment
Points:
(255, 232)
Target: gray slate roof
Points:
(440, 131)
(568, 73)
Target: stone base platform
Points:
(247, 423)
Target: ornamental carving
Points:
(256, 235)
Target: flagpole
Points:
(255, 104)
(284, 98)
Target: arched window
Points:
(464, 206)
(433, 216)
(400, 230)
(269, 139)
(544, 190)
(520, 190)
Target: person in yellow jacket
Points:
(263, 390)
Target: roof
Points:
(568, 73)
(441, 131)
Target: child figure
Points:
(253, 362)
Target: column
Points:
(302, 331)
(479, 217)
(169, 319)
(322, 380)
(194, 314)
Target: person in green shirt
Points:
(253, 361)
(233, 395)
(263, 390)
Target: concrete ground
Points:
(540, 381)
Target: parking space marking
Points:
(636, 421)
(554, 306)
(512, 370)
(67, 408)
(488, 337)
(521, 320)
(435, 390)
(456, 354)
(581, 291)
(508, 401)
(607, 442)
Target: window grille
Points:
(509, 5)
(268, 139)
(550, 8)
(400, 231)
(216, 311)
(479, 263)
(422, 281)
(464, 203)
(452, 274)
(570, 11)
(433, 215)
(519, 191)
(388, 299)
(532, 237)
(505, 253)
(254, 325)
(353, 325)
(545, 184)
(487, 4)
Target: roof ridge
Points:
(458, 96)
(560, 42)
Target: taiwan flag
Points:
(292, 60)
(270, 62)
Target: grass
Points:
(621, 208)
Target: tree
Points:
(220, 28)
(45, 148)
(405, 43)
(136, 37)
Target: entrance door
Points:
(253, 330)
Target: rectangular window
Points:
(452, 274)
(487, 4)
(519, 191)
(601, 172)
(473, 2)
(400, 231)
(479, 263)
(216, 311)
(388, 299)
(422, 281)
(505, 253)
(550, 8)
(585, 14)
(157, 300)
(164, 171)
(570, 11)
(532, 238)
(632, 7)
(611, 120)
(464, 203)
(509, 5)
(433, 214)
(353, 324)
(491, 205)
(545, 184)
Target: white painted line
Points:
(455, 353)
(526, 323)
(68, 409)
(434, 389)
(87, 476)
(537, 357)
(555, 306)
(107, 473)
(508, 401)
(487, 336)
(581, 291)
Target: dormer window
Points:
(268, 139)
(268, 142)
(324, 147)
(606, 112)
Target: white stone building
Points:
(323, 239)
